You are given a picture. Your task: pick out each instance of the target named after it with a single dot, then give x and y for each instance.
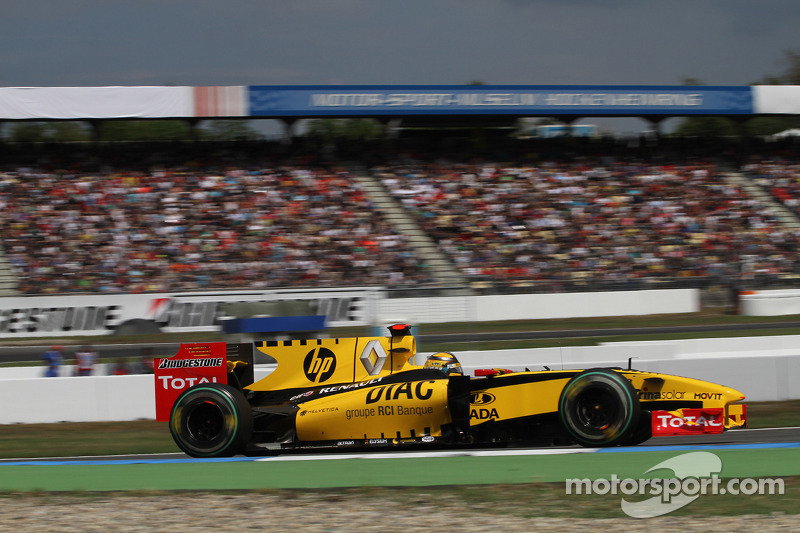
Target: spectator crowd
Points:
(297, 223)
(180, 228)
(593, 220)
(780, 176)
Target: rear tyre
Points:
(211, 420)
(599, 407)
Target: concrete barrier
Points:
(770, 303)
(539, 306)
(33, 400)
(77, 399)
(763, 368)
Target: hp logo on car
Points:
(319, 365)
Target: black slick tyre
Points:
(211, 420)
(643, 431)
(599, 407)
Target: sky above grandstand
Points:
(249, 42)
(278, 42)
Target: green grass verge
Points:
(68, 439)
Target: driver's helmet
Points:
(444, 362)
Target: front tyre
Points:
(211, 420)
(599, 407)
(643, 431)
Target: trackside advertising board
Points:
(521, 100)
(174, 312)
(194, 363)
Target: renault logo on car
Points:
(373, 357)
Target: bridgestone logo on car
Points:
(190, 363)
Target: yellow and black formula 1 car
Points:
(366, 392)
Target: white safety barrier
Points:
(539, 306)
(763, 368)
(36, 400)
(770, 303)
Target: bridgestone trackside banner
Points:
(42, 316)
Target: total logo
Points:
(176, 383)
(667, 419)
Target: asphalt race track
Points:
(729, 438)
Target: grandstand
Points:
(547, 215)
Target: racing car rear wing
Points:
(195, 363)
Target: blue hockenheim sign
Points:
(514, 100)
